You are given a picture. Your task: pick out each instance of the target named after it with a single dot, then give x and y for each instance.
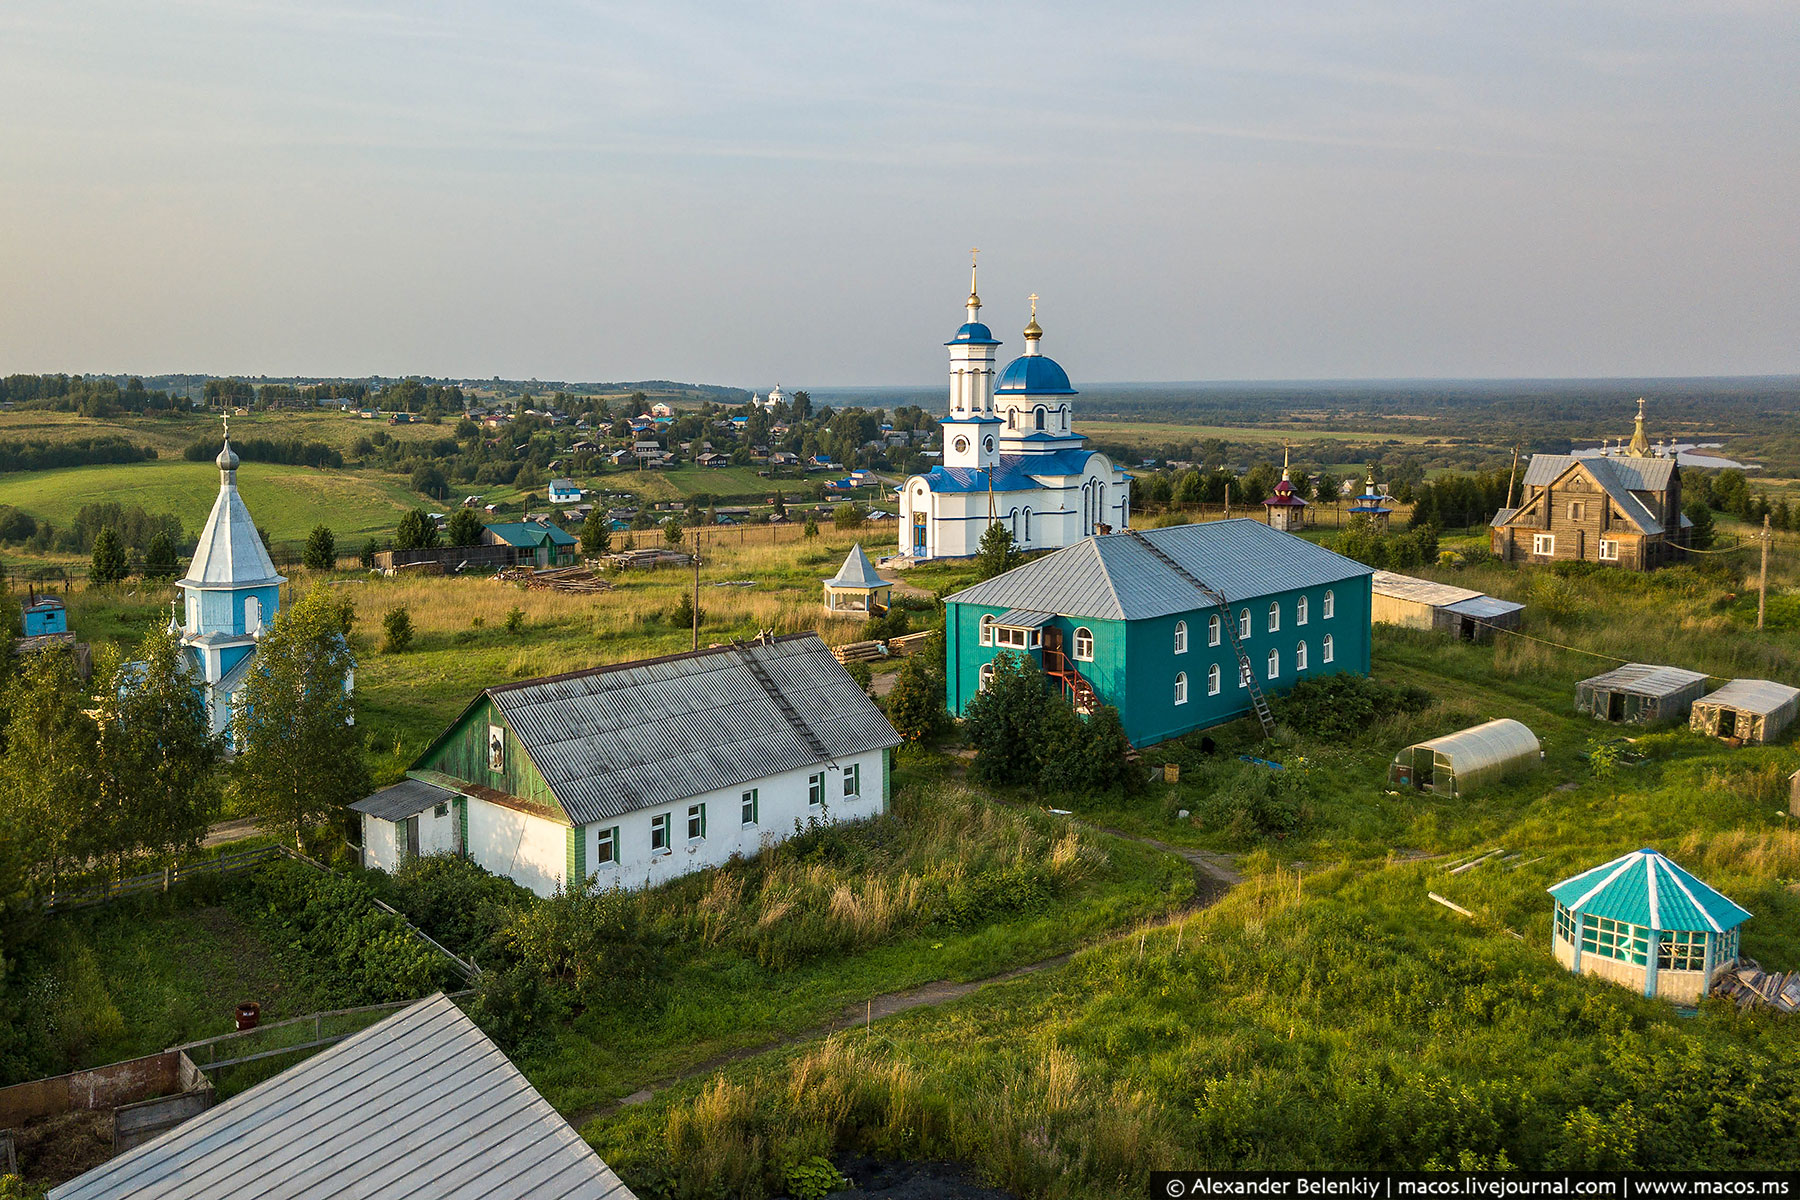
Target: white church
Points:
(1010, 456)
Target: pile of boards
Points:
(1752, 987)
(626, 560)
(859, 652)
(556, 579)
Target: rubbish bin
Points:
(248, 1014)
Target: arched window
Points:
(1329, 609)
(1243, 622)
(1274, 615)
(1327, 651)
(1181, 688)
(252, 615)
(1084, 644)
(1212, 680)
(1274, 662)
(1012, 418)
(1181, 637)
(1300, 611)
(1063, 424)
(987, 629)
(1028, 525)
(1213, 630)
(1300, 657)
(1012, 520)
(1037, 418)
(986, 676)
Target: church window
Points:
(1181, 637)
(1212, 680)
(1084, 644)
(1181, 687)
(1300, 611)
(1609, 549)
(962, 445)
(1037, 419)
(1213, 630)
(252, 615)
(989, 444)
(987, 629)
(1274, 615)
(1274, 663)
(1543, 543)
(1328, 649)
(1300, 657)
(1028, 525)
(1012, 418)
(1328, 609)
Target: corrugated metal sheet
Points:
(623, 738)
(1646, 888)
(230, 551)
(419, 1105)
(1112, 577)
(1484, 607)
(1023, 618)
(1761, 696)
(1645, 679)
(1421, 591)
(402, 800)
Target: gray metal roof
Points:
(1646, 679)
(420, 1106)
(617, 739)
(1483, 606)
(1023, 618)
(1113, 577)
(230, 553)
(1763, 696)
(857, 571)
(402, 800)
(1421, 591)
(1617, 477)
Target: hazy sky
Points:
(753, 193)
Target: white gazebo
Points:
(856, 590)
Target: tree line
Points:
(291, 451)
(76, 452)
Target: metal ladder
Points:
(1258, 702)
(782, 706)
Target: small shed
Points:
(856, 590)
(1640, 694)
(1458, 763)
(1754, 711)
(408, 819)
(1642, 922)
(1414, 603)
(45, 614)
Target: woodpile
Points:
(556, 579)
(639, 560)
(859, 652)
(906, 643)
(1752, 987)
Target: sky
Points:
(788, 192)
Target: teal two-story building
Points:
(1133, 620)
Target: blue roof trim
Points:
(974, 333)
(1011, 473)
(1034, 375)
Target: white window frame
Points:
(606, 846)
(987, 628)
(1543, 544)
(1328, 651)
(815, 788)
(1181, 687)
(1084, 644)
(984, 677)
(1300, 610)
(1018, 639)
(1243, 623)
(853, 781)
(1274, 616)
(1181, 637)
(1299, 656)
(696, 822)
(1609, 549)
(1328, 606)
(1244, 674)
(1274, 663)
(659, 834)
(750, 808)
(1213, 676)
(1215, 629)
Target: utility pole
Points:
(1512, 476)
(696, 589)
(1762, 576)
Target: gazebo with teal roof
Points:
(1372, 503)
(1644, 923)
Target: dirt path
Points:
(1214, 875)
(234, 830)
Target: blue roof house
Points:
(1642, 922)
(1153, 622)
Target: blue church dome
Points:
(974, 334)
(1034, 375)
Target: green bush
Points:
(333, 939)
(1337, 707)
(397, 630)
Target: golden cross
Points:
(1033, 306)
(973, 251)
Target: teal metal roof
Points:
(1646, 888)
(530, 534)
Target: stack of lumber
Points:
(557, 579)
(906, 643)
(1752, 987)
(626, 560)
(859, 652)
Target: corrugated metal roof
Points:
(1646, 888)
(402, 800)
(621, 738)
(1421, 591)
(1618, 477)
(1113, 577)
(1645, 679)
(857, 571)
(230, 552)
(1762, 696)
(419, 1105)
(1024, 618)
(1484, 607)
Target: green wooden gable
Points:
(461, 753)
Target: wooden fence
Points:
(311, 1032)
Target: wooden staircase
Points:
(1258, 702)
(1076, 689)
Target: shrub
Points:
(861, 672)
(330, 935)
(515, 619)
(321, 550)
(1340, 707)
(109, 558)
(370, 549)
(916, 703)
(397, 630)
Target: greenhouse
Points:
(1642, 922)
(1640, 694)
(1748, 711)
(1458, 763)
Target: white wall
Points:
(378, 843)
(383, 841)
(533, 851)
(781, 800)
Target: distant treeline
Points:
(292, 451)
(89, 397)
(77, 452)
(136, 526)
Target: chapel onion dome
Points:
(228, 459)
(974, 333)
(1034, 375)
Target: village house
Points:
(1177, 628)
(633, 774)
(537, 543)
(1622, 510)
(563, 491)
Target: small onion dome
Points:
(1284, 497)
(228, 459)
(1032, 332)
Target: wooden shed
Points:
(1752, 711)
(1414, 603)
(1640, 694)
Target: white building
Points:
(630, 775)
(1011, 455)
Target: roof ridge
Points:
(607, 668)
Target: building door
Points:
(1466, 629)
(918, 531)
(1728, 722)
(412, 838)
(1615, 706)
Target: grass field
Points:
(170, 435)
